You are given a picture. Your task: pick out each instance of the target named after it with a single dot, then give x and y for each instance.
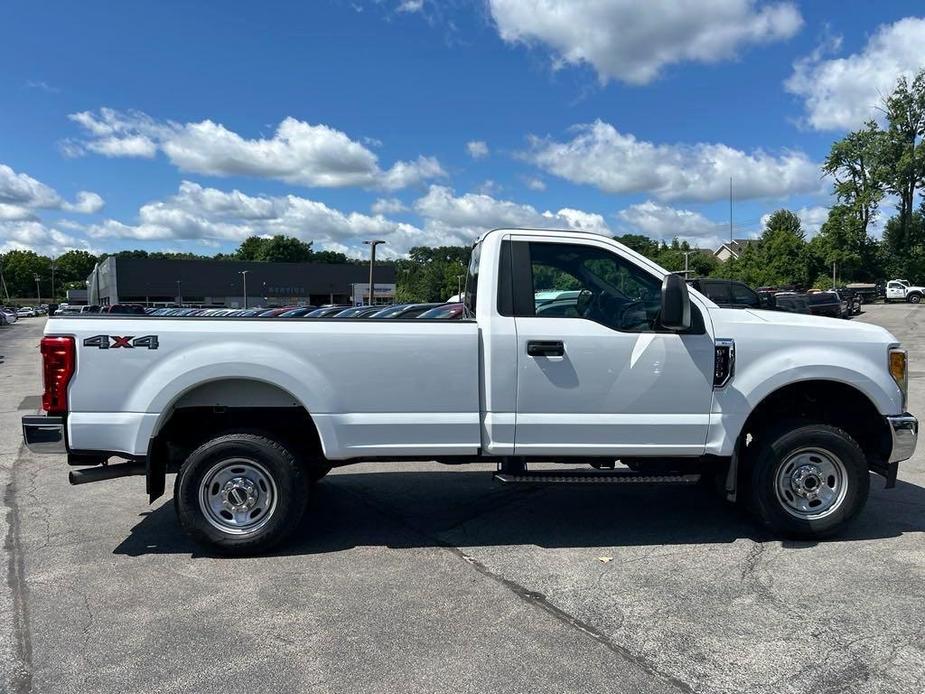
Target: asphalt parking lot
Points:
(426, 578)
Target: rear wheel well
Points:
(826, 402)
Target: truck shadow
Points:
(453, 508)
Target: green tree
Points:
(902, 250)
(286, 249)
(855, 163)
(430, 274)
(251, 248)
(903, 161)
(19, 270)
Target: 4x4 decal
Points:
(128, 342)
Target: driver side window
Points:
(580, 281)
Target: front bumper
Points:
(44, 434)
(905, 431)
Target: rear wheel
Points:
(240, 493)
(807, 481)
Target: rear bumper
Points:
(905, 431)
(44, 434)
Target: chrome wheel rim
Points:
(811, 483)
(237, 496)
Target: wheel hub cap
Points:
(811, 483)
(237, 496)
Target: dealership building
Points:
(159, 282)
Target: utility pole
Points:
(38, 290)
(730, 209)
(243, 274)
(3, 283)
(372, 261)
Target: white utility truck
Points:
(785, 413)
(901, 290)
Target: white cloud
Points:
(21, 195)
(615, 162)
(209, 214)
(534, 183)
(811, 219)
(32, 235)
(632, 41)
(298, 152)
(410, 6)
(477, 149)
(86, 203)
(462, 219)
(388, 206)
(665, 223)
(842, 93)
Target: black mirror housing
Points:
(676, 303)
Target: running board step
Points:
(595, 477)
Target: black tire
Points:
(782, 464)
(914, 298)
(243, 467)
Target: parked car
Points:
(298, 312)
(727, 293)
(92, 308)
(358, 312)
(326, 311)
(791, 302)
(825, 304)
(403, 311)
(9, 314)
(651, 374)
(124, 309)
(25, 312)
(3, 320)
(444, 312)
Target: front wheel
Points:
(240, 493)
(807, 482)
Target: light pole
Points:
(38, 291)
(459, 279)
(686, 254)
(179, 294)
(3, 282)
(372, 261)
(243, 274)
(53, 280)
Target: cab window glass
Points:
(578, 281)
(744, 296)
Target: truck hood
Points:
(733, 322)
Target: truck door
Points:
(895, 290)
(601, 377)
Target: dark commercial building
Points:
(158, 282)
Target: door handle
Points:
(545, 348)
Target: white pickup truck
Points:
(901, 290)
(785, 413)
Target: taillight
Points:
(58, 367)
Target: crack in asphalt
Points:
(537, 599)
(21, 676)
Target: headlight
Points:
(899, 370)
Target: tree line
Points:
(870, 167)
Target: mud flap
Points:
(155, 470)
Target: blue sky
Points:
(189, 126)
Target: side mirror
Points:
(676, 303)
(583, 301)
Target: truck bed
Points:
(373, 387)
